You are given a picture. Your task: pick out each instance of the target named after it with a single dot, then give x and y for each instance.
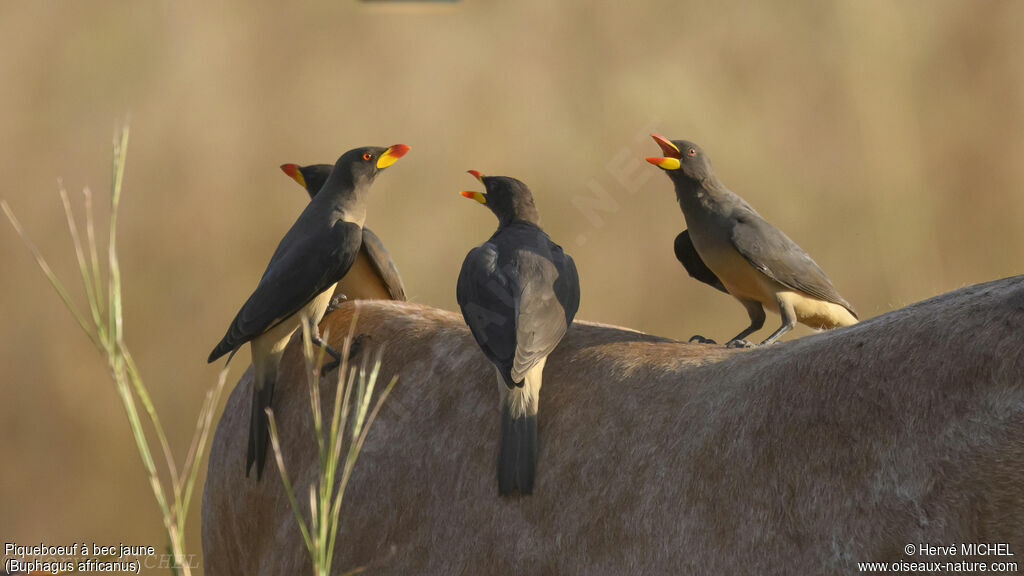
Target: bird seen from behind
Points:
(519, 293)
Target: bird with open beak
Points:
(519, 293)
(312, 257)
(729, 246)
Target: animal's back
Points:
(660, 457)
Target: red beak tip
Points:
(467, 194)
(667, 147)
(398, 150)
(290, 169)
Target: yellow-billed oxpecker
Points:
(729, 246)
(312, 257)
(373, 276)
(519, 293)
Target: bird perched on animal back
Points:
(519, 293)
(729, 246)
(373, 276)
(314, 254)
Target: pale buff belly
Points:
(745, 282)
(815, 313)
(362, 282)
(273, 341)
(739, 277)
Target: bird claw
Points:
(739, 344)
(353, 351)
(336, 303)
(698, 339)
(357, 346)
(327, 368)
(318, 341)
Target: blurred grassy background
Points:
(884, 137)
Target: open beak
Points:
(670, 160)
(391, 155)
(478, 196)
(293, 172)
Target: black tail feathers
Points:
(517, 456)
(259, 429)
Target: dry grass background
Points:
(885, 137)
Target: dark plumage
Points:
(729, 246)
(314, 254)
(519, 293)
(695, 267)
(384, 276)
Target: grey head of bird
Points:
(357, 168)
(507, 197)
(683, 160)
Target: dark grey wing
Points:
(301, 269)
(695, 266)
(772, 252)
(545, 309)
(382, 263)
(486, 296)
(567, 287)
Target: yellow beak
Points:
(481, 198)
(665, 163)
(391, 155)
(672, 155)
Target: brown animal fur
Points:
(658, 457)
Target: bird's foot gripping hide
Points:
(698, 339)
(336, 303)
(326, 368)
(357, 346)
(739, 343)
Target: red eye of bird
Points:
(692, 152)
(367, 156)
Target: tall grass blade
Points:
(349, 421)
(47, 271)
(106, 331)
